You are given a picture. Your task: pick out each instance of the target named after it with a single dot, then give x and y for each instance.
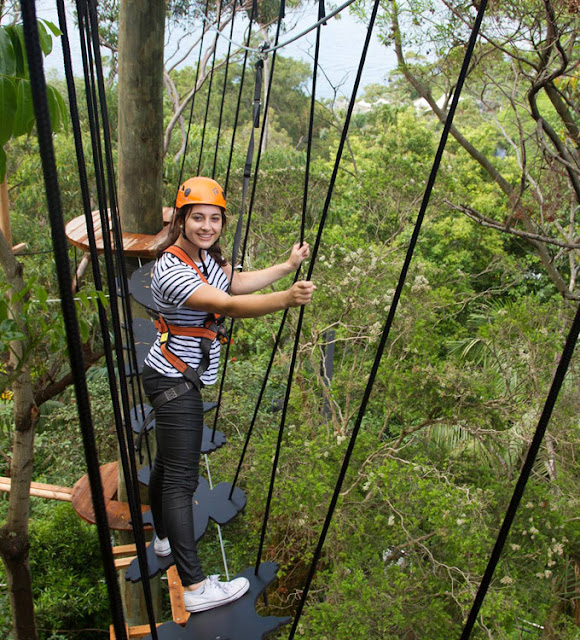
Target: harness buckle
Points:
(171, 394)
(164, 337)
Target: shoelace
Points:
(214, 582)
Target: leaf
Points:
(7, 108)
(44, 39)
(24, 120)
(55, 30)
(16, 33)
(7, 55)
(53, 108)
(57, 109)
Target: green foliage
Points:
(69, 589)
(15, 95)
(455, 401)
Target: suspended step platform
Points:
(207, 503)
(144, 334)
(118, 514)
(140, 286)
(137, 245)
(235, 621)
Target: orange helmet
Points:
(200, 190)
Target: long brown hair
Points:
(176, 227)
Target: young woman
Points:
(190, 287)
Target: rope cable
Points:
(303, 33)
(531, 456)
(310, 269)
(242, 84)
(186, 143)
(88, 18)
(136, 513)
(44, 133)
(208, 101)
(392, 309)
(224, 91)
(247, 175)
(302, 233)
(236, 117)
(263, 132)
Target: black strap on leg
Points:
(165, 397)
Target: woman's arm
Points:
(249, 281)
(213, 300)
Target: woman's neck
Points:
(192, 250)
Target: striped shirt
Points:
(173, 282)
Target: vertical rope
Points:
(309, 275)
(44, 132)
(180, 180)
(302, 233)
(242, 78)
(208, 101)
(224, 90)
(393, 308)
(127, 455)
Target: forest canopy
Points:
(482, 320)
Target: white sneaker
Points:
(161, 547)
(214, 593)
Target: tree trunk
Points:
(140, 166)
(14, 541)
(5, 212)
(141, 34)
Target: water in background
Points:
(342, 40)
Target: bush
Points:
(68, 585)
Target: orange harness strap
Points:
(207, 334)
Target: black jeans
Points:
(175, 473)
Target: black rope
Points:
(246, 181)
(310, 269)
(239, 227)
(524, 474)
(224, 91)
(392, 310)
(204, 29)
(242, 84)
(208, 101)
(44, 131)
(127, 456)
(302, 233)
(87, 17)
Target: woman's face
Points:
(203, 225)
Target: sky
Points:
(342, 40)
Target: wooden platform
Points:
(134, 244)
(118, 513)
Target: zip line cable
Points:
(44, 132)
(313, 257)
(392, 309)
(305, 32)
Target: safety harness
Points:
(212, 329)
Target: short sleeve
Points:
(174, 282)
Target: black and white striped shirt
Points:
(173, 282)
